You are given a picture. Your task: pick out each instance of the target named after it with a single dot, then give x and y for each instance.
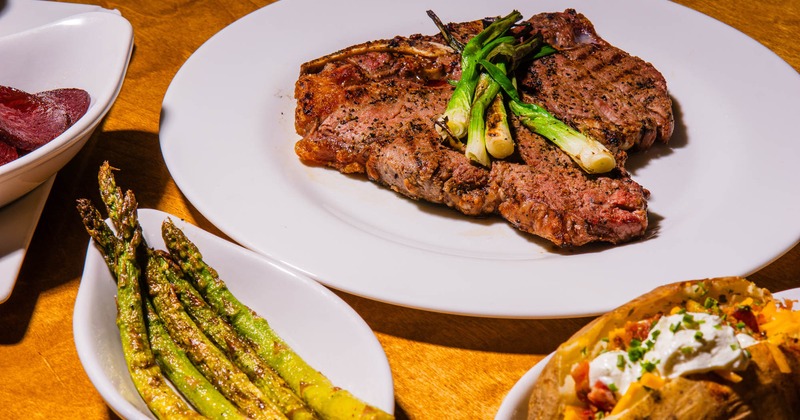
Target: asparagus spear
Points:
(184, 375)
(147, 377)
(326, 399)
(208, 359)
(121, 207)
(239, 350)
(172, 361)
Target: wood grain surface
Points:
(444, 366)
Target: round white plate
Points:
(515, 404)
(722, 195)
(316, 323)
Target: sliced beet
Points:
(74, 101)
(7, 152)
(28, 121)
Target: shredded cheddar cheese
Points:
(729, 375)
(573, 413)
(781, 323)
(652, 381)
(780, 358)
(694, 306)
(634, 394)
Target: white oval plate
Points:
(18, 222)
(227, 136)
(88, 50)
(316, 323)
(515, 404)
(46, 45)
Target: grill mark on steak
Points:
(370, 109)
(619, 99)
(635, 112)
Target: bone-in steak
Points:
(371, 109)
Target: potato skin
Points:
(764, 391)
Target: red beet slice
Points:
(7, 153)
(72, 100)
(27, 121)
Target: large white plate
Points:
(315, 322)
(515, 404)
(722, 201)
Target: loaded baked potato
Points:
(706, 349)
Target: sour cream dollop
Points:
(677, 345)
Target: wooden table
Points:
(444, 366)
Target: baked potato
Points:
(706, 349)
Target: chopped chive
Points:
(635, 353)
(649, 366)
(710, 303)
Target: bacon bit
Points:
(621, 338)
(745, 314)
(638, 330)
(580, 374)
(602, 397)
(787, 304)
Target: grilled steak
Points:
(371, 109)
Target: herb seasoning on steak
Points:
(371, 109)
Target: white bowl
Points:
(315, 322)
(89, 51)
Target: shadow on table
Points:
(58, 249)
(514, 336)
